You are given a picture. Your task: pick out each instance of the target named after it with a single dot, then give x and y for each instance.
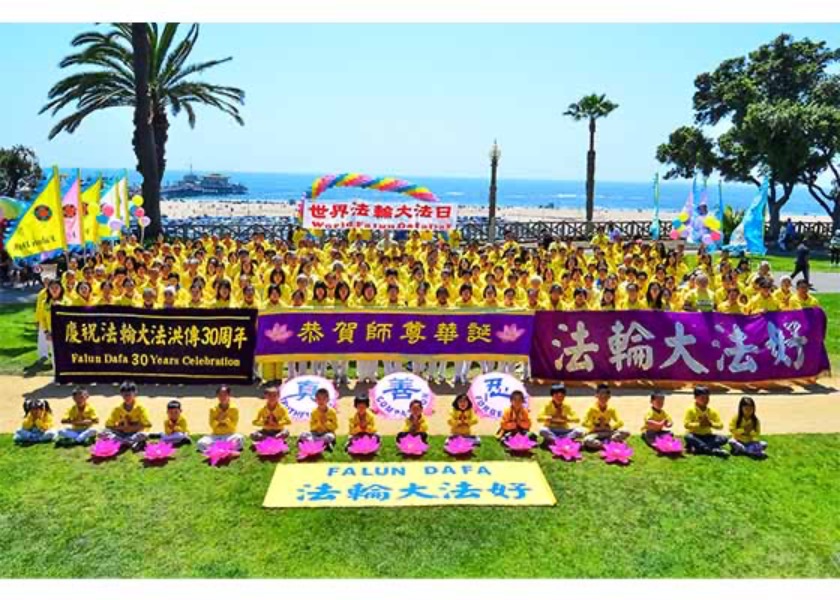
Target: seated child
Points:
(362, 421)
(272, 418)
(602, 422)
(175, 426)
(323, 421)
(700, 420)
(224, 417)
(746, 429)
(128, 421)
(81, 417)
(515, 418)
(657, 421)
(37, 423)
(462, 418)
(415, 424)
(557, 417)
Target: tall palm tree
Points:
(591, 107)
(107, 80)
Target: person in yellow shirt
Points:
(37, 424)
(746, 430)
(701, 297)
(128, 421)
(415, 423)
(558, 418)
(602, 422)
(657, 421)
(462, 418)
(732, 304)
(323, 422)
(43, 316)
(784, 295)
(700, 421)
(272, 418)
(175, 430)
(128, 297)
(81, 418)
(803, 298)
(764, 302)
(362, 421)
(224, 417)
(632, 299)
(515, 418)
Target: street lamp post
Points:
(495, 155)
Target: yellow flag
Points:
(90, 204)
(41, 227)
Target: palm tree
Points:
(108, 80)
(591, 107)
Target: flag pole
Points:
(60, 214)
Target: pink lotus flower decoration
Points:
(412, 445)
(510, 333)
(364, 445)
(668, 444)
(617, 452)
(271, 446)
(279, 333)
(566, 448)
(520, 443)
(458, 446)
(310, 449)
(220, 451)
(158, 452)
(105, 448)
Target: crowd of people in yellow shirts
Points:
(129, 422)
(424, 271)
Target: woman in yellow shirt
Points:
(224, 296)
(746, 429)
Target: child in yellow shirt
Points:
(362, 421)
(272, 418)
(323, 421)
(128, 421)
(700, 421)
(746, 429)
(81, 417)
(657, 421)
(37, 424)
(224, 417)
(415, 423)
(558, 418)
(515, 418)
(602, 421)
(175, 430)
(462, 418)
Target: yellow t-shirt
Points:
(272, 419)
(701, 422)
(179, 426)
(656, 415)
(418, 425)
(760, 304)
(43, 422)
(224, 422)
(323, 421)
(88, 413)
(602, 420)
(358, 426)
(461, 421)
(746, 432)
(558, 417)
(121, 417)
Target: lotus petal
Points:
(279, 333)
(520, 442)
(668, 444)
(220, 451)
(105, 448)
(617, 452)
(412, 445)
(566, 448)
(510, 333)
(158, 452)
(310, 449)
(363, 445)
(271, 446)
(458, 446)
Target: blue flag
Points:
(749, 235)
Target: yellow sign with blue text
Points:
(394, 484)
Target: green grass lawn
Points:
(62, 516)
(831, 305)
(779, 265)
(18, 340)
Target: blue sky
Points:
(403, 99)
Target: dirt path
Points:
(794, 409)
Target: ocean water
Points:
(511, 192)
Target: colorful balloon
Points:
(107, 210)
(102, 219)
(357, 180)
(137, 200)
(139, 212)
(712, 222)
(706, 239)
(683, 216)
(676, 223)
(115, 224)
(145, 222)
(675, 234)
(716, 236)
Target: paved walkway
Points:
(822, 282)
(783, 409)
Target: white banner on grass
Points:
(362, 214)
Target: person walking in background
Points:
(834, 248)
(803, 264)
